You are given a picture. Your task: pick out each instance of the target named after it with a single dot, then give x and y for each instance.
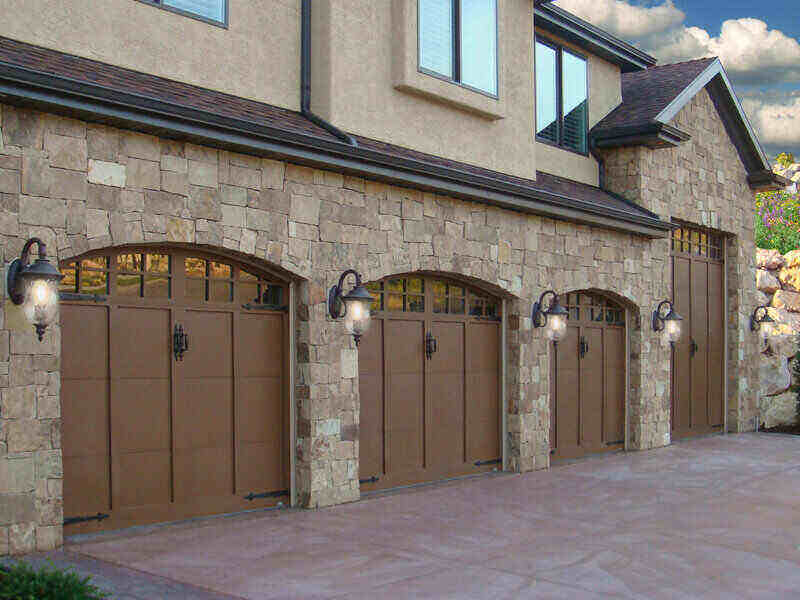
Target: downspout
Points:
(305, 78)
(601, 163)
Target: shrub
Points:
(785, 159)
(778, 221)
(20, 581)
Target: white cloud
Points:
(751, 52)
(778, 123)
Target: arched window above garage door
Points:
(418, 294)
(588, 307)
(170, 275)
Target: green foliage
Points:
(785, 159)
(20, 581)
(777, 223)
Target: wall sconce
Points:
(554, 317)
(354, 307)
(35, 286)
(667, 320)
(761, 317)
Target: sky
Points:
(758, 43)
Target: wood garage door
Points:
(587, 403)
(150, 436)
(698, 360)
(429, 417)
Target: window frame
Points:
(456, 47)
(559, 50)
(185, 13)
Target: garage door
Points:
(587, 403)
(152, 433)
(698, 362)
(429, 383)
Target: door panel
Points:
(405, 409)
(85, 409)
(140, 407)
(591, 390)
(699, 334)
(445, 396)
(371, 417)
(568, 394)
(203, 407)
(716, 345)
(682, 365)
(482, 392)
(614, 411)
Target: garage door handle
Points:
(693, 348)
(180, 341)
(584, 347)
(431, 345)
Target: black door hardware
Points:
(431, 345)
(73, 520)
(584, 347)
(180, 342)
(251, 496)
(693, 348)
(483, 463)
(372, 479)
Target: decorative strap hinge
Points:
(97, 517)
(372, 479)
(483, 463)
(251, 496)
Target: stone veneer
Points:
(82, 186)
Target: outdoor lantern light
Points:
(35, 286)
(354, 307)
(667, 320)
(554, 318)
(760, 322)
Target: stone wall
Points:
(703, 182)
(82, 186)
(778, 283)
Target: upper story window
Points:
(458, 41)
(213, 11)
(562, 97)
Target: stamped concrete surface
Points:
(717, 517)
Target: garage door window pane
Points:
(156, 286)
(479, 44)
(436, 36)
(213, 10)
(70, 281)
(129, 285)
(94, 282)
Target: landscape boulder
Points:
(786, 299)
(767, 282)
(769, 259)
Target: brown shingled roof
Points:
(110, 84)
(646, 93)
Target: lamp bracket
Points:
(539, 314)
(659, 316)
(18, 265)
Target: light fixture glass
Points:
(553, 318)
(668, 322)
(354, 307)
(35, 287)
(761, 322)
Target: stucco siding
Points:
(256, 57)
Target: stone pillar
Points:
(31, 506)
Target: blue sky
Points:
(758, 43)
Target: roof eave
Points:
(96, 103)
(652, 135)
(768, 181)
(585, 35)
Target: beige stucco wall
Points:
(365, 81)
(257, 57)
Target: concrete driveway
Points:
(716, 517)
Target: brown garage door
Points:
(699, 357)
(427, 416)
(150, 435)
(587, 406)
